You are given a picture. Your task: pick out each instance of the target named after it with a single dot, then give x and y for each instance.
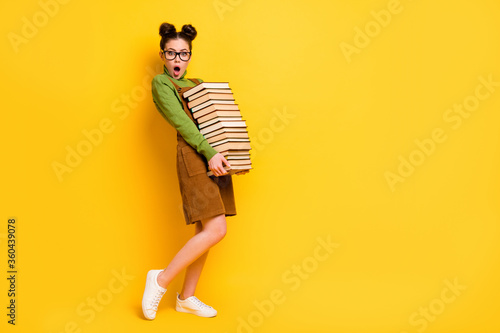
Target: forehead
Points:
(177, 44)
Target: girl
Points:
(206, 200)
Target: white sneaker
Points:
(152, 294)
(195, 306)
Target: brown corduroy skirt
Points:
(203, 196)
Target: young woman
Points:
(206, 200)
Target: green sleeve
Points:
(168, 104)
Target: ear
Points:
(161, 55)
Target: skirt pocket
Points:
(194, 162)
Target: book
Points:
(215, 107)
(218, 125)
(215, 120)
(219, 120)
(231, 140)
(206, 91)
(212, 97)
(237, 157)
(238, 144)
(228, 130)
(206, 85)
(210, 102)
(228, 135)
(220, 113)
(217, 139)
(228, 153)
(232, 146)
(233, 170)
(240, 162)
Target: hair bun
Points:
(189, 31)
(167, 29)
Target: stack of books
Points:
(219, 120)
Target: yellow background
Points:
(319, 173)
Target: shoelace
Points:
(156, 299)
(199, 303)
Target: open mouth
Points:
(177, 70)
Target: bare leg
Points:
(193, 271)
(213, 231)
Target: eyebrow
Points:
(171, 48)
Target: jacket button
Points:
(179, 89)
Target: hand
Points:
(216, 165)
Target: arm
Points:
(167, 103)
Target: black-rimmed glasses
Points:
(171, 55)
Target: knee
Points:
(218, 229)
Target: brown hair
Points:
(168, 32)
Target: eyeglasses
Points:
(171, 55)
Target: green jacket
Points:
(169, 103)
